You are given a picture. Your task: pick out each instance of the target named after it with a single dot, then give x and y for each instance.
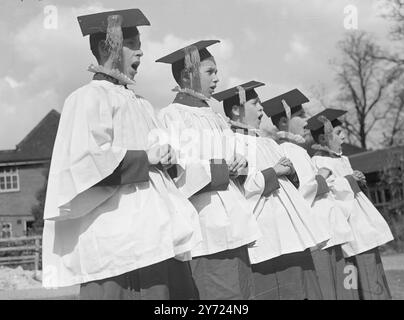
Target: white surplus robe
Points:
(327, 213)
(369, 228)
(93, 233)
(201, 134)
(284, 217)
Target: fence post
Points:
(37, 249)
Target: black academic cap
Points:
(313, 124)
(234, 92)
(293, 98)
(179, 55)
(236, 95)
(98, 22)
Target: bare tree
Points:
(364, 84)
(394, 129)
(395, 13)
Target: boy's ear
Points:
(321, 139)
(235, 110)
(283, 124)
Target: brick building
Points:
(22, 173)
(384, 171)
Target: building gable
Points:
(37, 145)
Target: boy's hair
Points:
(228, 104)
(277, 118)
(316, 134)
(96, 38)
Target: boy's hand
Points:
(168, 156)
(238, 163)
(282, 168)
(324, 172)
(287, 163)
(153, 154)
(359, 176)
(161, 154)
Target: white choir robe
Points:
(369, 228)
(94, 232)
(200, 134)
(327, 213)
(284, 216)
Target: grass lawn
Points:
(395, 279)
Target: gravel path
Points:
(394, 266)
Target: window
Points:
(9, 180)
(6, 231)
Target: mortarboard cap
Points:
(179, 55)
(237, 95)
(317, 127)
(189, 58)
(294, 98)
(235, 91)
(98, 22)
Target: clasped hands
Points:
(284, 167)
(165, 156)
(359, 176)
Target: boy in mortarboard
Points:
(369, 228)
(220, 264)
(287, 113)
(281, 261)
(114, 219)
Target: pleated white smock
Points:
(200, 134)
(327, 212)
(284, 216)
(369, 228)
(93, 233)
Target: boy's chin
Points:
(336, 149)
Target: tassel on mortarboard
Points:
(114, 40)
(241, 95)
(328, 127)
(288, 111)
(192, 62)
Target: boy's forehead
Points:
(209, 62)
(133, 37)
(299, 113)
(254, 99)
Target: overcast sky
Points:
(284, 43)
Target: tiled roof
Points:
(350, 149)
(38, 144)
(377, 160)
(347, 149)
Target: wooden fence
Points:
(21, 251)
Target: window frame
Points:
(4, 174)
(10, 230)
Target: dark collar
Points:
(188, 100)
(325, 151)
(106, 77)
(245, 131)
